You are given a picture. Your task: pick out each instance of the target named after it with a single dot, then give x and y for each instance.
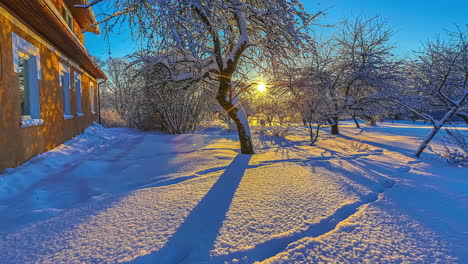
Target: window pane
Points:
(78, 96)
(67, 16)
(64, 97)
(92, 98)
(24, 86)
(65, 94)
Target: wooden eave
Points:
(39, 15)
(84, 16)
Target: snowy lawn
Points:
(120, 195)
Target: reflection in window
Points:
(26, 63)
(91, 95)
(79, 110)
(24, 86)
(65, 85)
(67, 16)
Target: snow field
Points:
(151, 198)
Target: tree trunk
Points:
(314, 135)
(334, 127)
(464, 117)
(436, 129)
(356, 121)
(237, 114)
(428, 139)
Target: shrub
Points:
(456, 147)
(278, 131)
(357, 146)
(110, 118)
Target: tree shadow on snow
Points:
(194, 239)
(264, 142)
(356, 174)
(407, 152)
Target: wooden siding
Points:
(84, 16)
(39, 16)
(20, 144)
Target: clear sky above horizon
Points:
(413, 21)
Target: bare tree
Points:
(352, 66)
(123, 92)
(215, 37)
(182, 111)
(438, 82)
(179, 111)
(315, 114)
(307, 98)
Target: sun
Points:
(261, 87)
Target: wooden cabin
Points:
(49, 83)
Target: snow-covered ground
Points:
(120, 195)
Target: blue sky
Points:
(412, 20)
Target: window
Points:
(26, 63)
(25, 99)
(66, 14)
(79, 111)
(91, 99)
(65, 85)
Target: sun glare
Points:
(261, 87)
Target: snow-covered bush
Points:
(179, 111)
(456, 147)
(357, 146)
(133, 98)
(227, 121)
(279, 131)
(110, 118)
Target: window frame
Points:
(64, 74)
(78, 94)
(67, 16)
(23, 49)
(92, 96)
